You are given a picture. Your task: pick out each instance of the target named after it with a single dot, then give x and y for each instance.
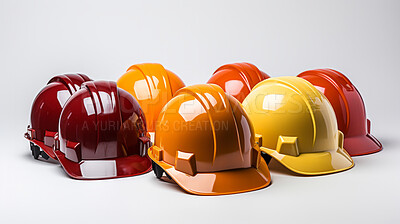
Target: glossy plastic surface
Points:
(153, 86)
(237, 79)
(46, 109)
(349, 109)
(205, 142)
(298, 126)
(102, 134)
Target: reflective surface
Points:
(298, 126)
(103, 134)
(349, 109)
(237, 79)
(47, 106)
(152, 86)
(205, 142)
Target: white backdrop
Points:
(39, 39)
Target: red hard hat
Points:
(102, 134)
(237, 79)
(349, 109)
(46, 110)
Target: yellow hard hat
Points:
(298, 126)
(205, 142)
(153, 86)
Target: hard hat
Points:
(298, 126)
(205, 142)
(102, 134)
(349, 109)
(46, 110)
(237, 79)
(153, 86)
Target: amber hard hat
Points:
(205, 142)
(153, 86)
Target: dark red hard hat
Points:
(237, 79)
(349, 109)
(102, 134)
(46, 110)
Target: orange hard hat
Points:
(153, 86)
(237, 79)
(206, 143)
(349, 109)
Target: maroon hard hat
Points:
(46, 110)
(237, 79)
(102, 134)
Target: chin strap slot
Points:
(49, 138)
(144, 144)
(340, 139)
(256, 152)
(369, 126)
(56, 142)
(73, 151)
(158, 153)
(31, 133)
(287, 145)
(185, 162)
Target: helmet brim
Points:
(362, 145)
(221, 182)
(105, 169)
(317, 163)
(47, 149)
